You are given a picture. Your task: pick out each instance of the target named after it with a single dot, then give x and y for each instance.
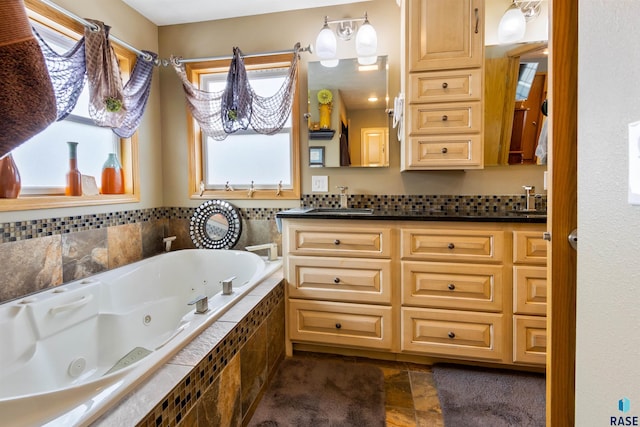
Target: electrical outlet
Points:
(320, 183)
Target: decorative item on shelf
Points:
(112, 176)
(74, 177)
(325, 98)
(10, 183)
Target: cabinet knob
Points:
(451, 335)
(336, 242)
(336, 280)
(338, 326)
(451, 246)
(444, 150)
(445, 85)
(451, 286)
(445, 118)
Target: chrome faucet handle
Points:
(342, 188)
(202, 304)
(529, 188)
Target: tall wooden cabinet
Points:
(443, 82)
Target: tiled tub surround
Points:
(39, 254)
(216, 379)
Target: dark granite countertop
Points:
(417, 215)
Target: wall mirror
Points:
(347, 112)
(215, 224)
(515, 88)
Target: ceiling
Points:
(170, 12)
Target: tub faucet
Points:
(272, 248)
(167, 242)
(344, 204)
(227, 286)
(202, 304)
(530, 202)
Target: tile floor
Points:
(411, 399)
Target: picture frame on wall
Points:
(316, 157)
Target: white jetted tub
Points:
(67, 354)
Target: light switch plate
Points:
(320, 183)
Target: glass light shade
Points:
(330, 63)
(326, 43)
(512, 25)
(367, 60)
(366, 40)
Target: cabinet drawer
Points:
(530, 290)
(340, 323)
(444, 151)
(446, 86)
(530, 340)
(464, 287)
(453, 333)
(456, 117)
(453, 245)
(340, 241)
(341, 279)
(529, 247)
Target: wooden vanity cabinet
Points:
(443, 81)
(339, 283)
(454, 288)
(462, 291)
(529, 298)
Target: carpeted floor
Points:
(476, 397)
(323, 392)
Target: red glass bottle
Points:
(10, 183)
(112, 176)
(74, 177)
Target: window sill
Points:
(243, 194)
(51, 202)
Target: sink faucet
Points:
(530, 202)
(344, 204)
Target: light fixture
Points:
(326, 43)
(366, 40)
(514, 21)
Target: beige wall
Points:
(127, 25)
(281, 31)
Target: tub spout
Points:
(167, 242)
(272, 247)
(227, 286)
(202, 304)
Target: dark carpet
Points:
(319, 392)
(479, 397)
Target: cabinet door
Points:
(529, 247)
(455, 117)
(345, 324)
(453, 333)
(530, 340)
(452, 245)
(530, 290)
(340, 279)
(446, 86)
(445, 34)
(443, 152)
(474, 287)
(340, 240)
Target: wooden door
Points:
(562, 212)
(374, 144)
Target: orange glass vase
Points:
(112, 176)
(10, 183)
(74, 177)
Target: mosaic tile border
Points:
(30, 229)
(424, 202)
(185, 395)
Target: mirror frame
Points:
(198, 225)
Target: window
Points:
(245, 159)
(43, 160)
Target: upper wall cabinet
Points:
(443, 80)
(445, 34)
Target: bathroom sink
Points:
(526, 212)
(341, 211)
